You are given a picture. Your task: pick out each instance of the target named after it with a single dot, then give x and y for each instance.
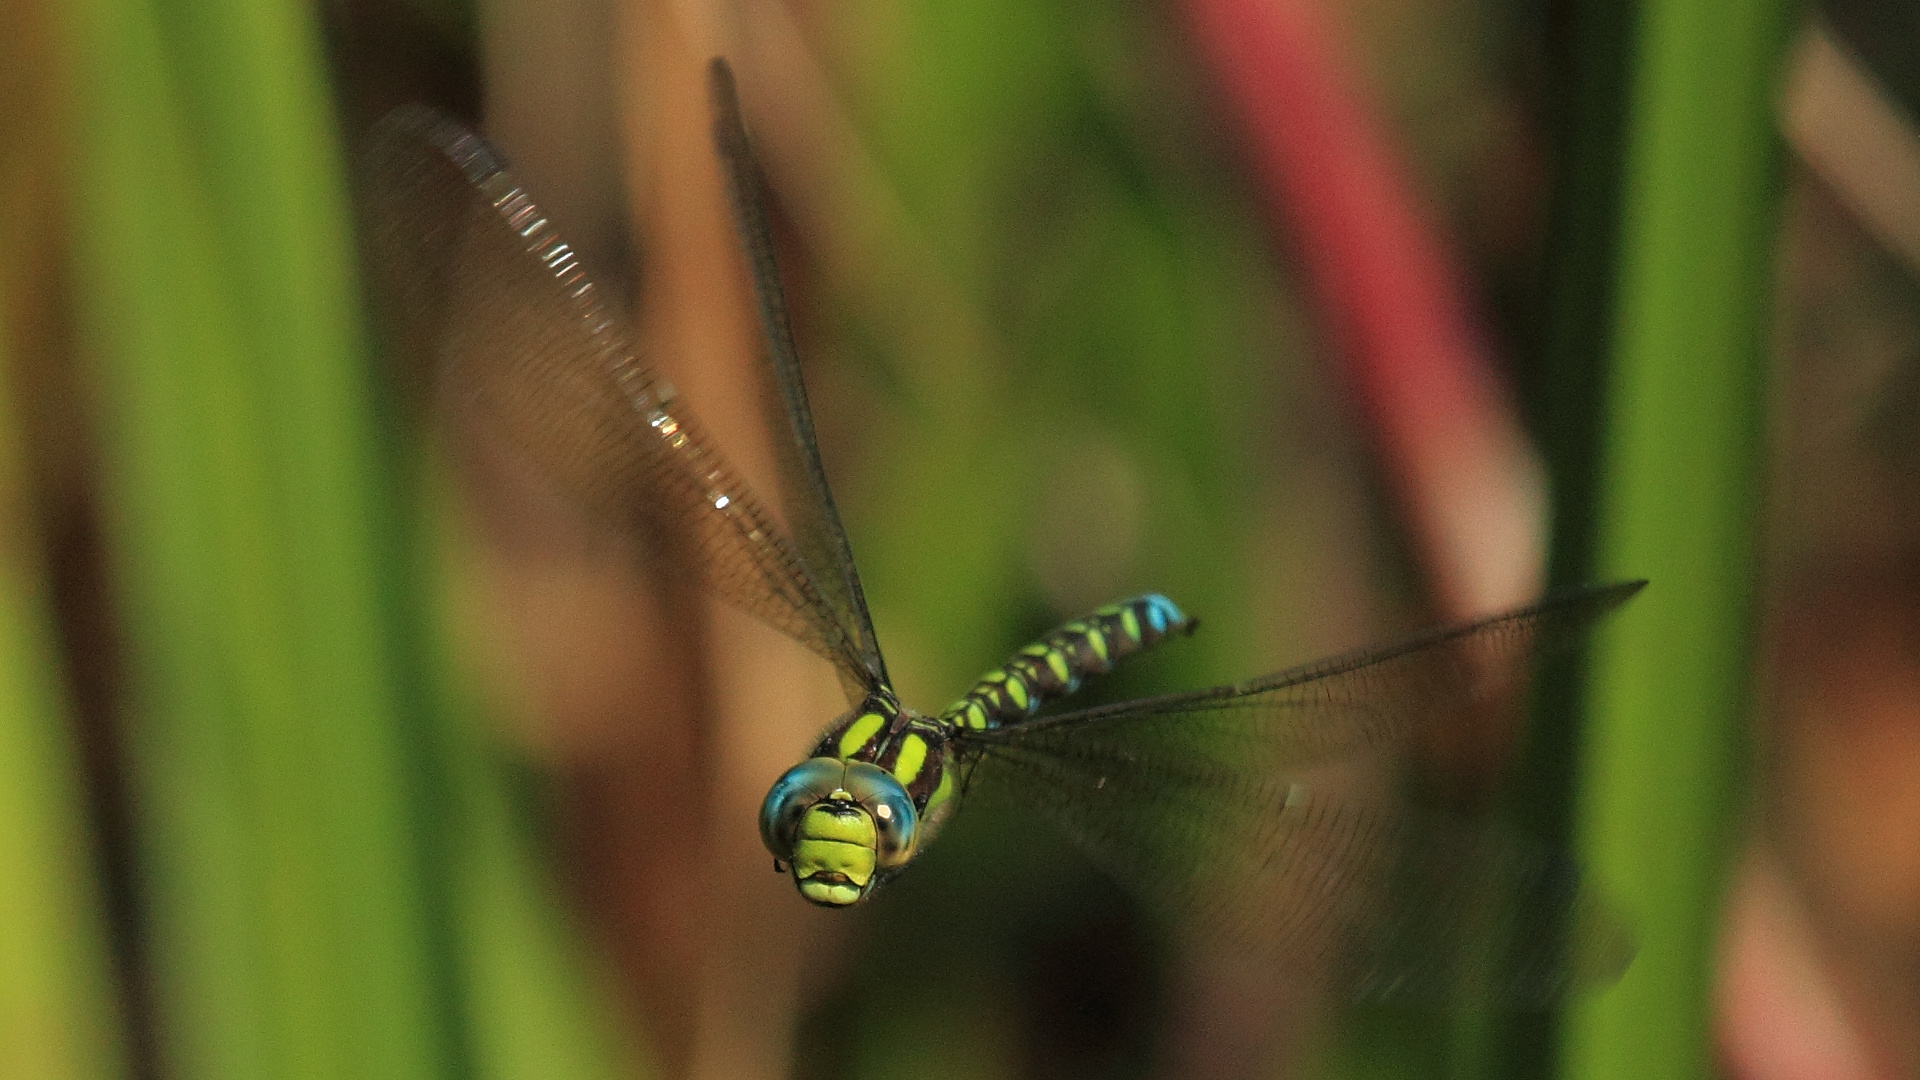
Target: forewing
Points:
(811, 515)
(476, 279)
(1236, 811)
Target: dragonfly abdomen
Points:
(1057, 664)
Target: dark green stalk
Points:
(1590, 42)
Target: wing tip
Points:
(1619, 592)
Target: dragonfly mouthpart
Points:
(833, 854)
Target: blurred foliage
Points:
(336, 874)
(58, 1015)
(1138, 320)
(325, 885)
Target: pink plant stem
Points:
(1465, 479)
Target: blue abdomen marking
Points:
(1055, 666)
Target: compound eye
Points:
(895, 822)
(791, 796)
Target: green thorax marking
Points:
(885, 733)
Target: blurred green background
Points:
(320, 757)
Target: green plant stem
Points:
(289, 903)
(1668, 700)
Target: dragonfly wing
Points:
(1238, 811)
(479, 281)
(812, 517)
(1381, 898)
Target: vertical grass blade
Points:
(1677, 504)
(57, 1013)
(289, 906)
(58, 1010)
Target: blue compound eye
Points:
(791, 796)
(896, 824)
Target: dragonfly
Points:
(1223, 806)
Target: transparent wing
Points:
(477, 279)
(812, 517)
(1236, 810)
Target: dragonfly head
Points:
(839, 826)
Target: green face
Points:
(838, 826)
(833, 852)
